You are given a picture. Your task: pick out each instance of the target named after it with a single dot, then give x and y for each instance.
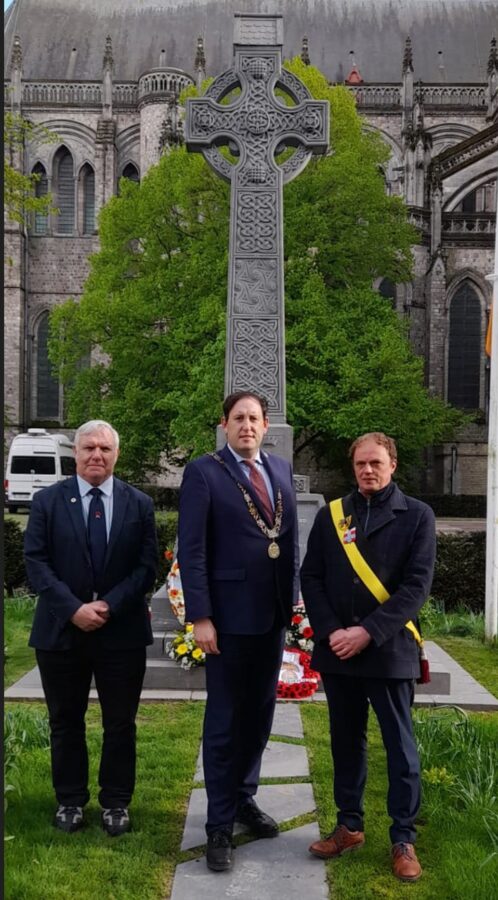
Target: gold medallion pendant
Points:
(273, 550)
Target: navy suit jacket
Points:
(402, 537)
(59, 568)
(224, 564)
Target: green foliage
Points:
(19, 190)
(461, 621)
(459, 577)
(25, 728)
(154, 306)
(14, 573)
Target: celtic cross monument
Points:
(257, 126)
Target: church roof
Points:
(66, 38)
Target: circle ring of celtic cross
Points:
(257, 121)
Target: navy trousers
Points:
(66, 676)
(241, 694)
(348, 699)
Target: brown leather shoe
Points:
(405, 864)
(340, 841)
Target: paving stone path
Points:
(262, 869)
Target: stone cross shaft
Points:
(257, 126)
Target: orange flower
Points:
(168, 554)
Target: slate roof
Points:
(140, 29)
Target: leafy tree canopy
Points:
(153, 308)
(20, 190)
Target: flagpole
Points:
(491, 602)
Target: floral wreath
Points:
(297, 680)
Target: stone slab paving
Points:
(287, 720)
(262, 870)
(279, 761)
(281, 801)
(465, 691)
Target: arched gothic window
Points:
(47, 392)
(40, 224)
(64, 190)
(464, 356)
(87, 178)
(130, 171)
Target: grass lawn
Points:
(19, 658)
(480, 660)
(453, 842)
(41, 862)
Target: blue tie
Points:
(97, 536)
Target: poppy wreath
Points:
(299, 690)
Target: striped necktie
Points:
(258, 483)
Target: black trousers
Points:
(348, 699)
(66, 678)
(241, 695)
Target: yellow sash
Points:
(360, 565)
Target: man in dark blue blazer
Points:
(238, 556)
(91, 555)
(363, 649)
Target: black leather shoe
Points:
(257, 821)
(219, 851)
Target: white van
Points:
(35, 460)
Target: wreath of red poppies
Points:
(300, 689)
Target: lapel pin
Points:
(73, 500)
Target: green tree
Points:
(154, 305)
(20, 190)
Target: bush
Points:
(459, 577)
(458, 506)
(14, 571)
(162, 497)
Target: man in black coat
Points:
(91, 555)
(364, 650)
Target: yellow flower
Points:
(189, 627)
(181, 649)
(197, 653)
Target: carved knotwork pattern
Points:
(255, 286)
(293, 86)
(255, 357)
(222, 85)
(256, 225)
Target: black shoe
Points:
(69, 818)
(257, 821)
(116, 821)
(219, 850)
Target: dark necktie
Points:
(97, 535)
(258, 483)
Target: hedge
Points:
(13, 549)
(460, 573)
(459, 576)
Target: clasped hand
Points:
(91, 616)
(348, 642)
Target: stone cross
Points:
(257, 126)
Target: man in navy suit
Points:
(91, 555)
(238, 556)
